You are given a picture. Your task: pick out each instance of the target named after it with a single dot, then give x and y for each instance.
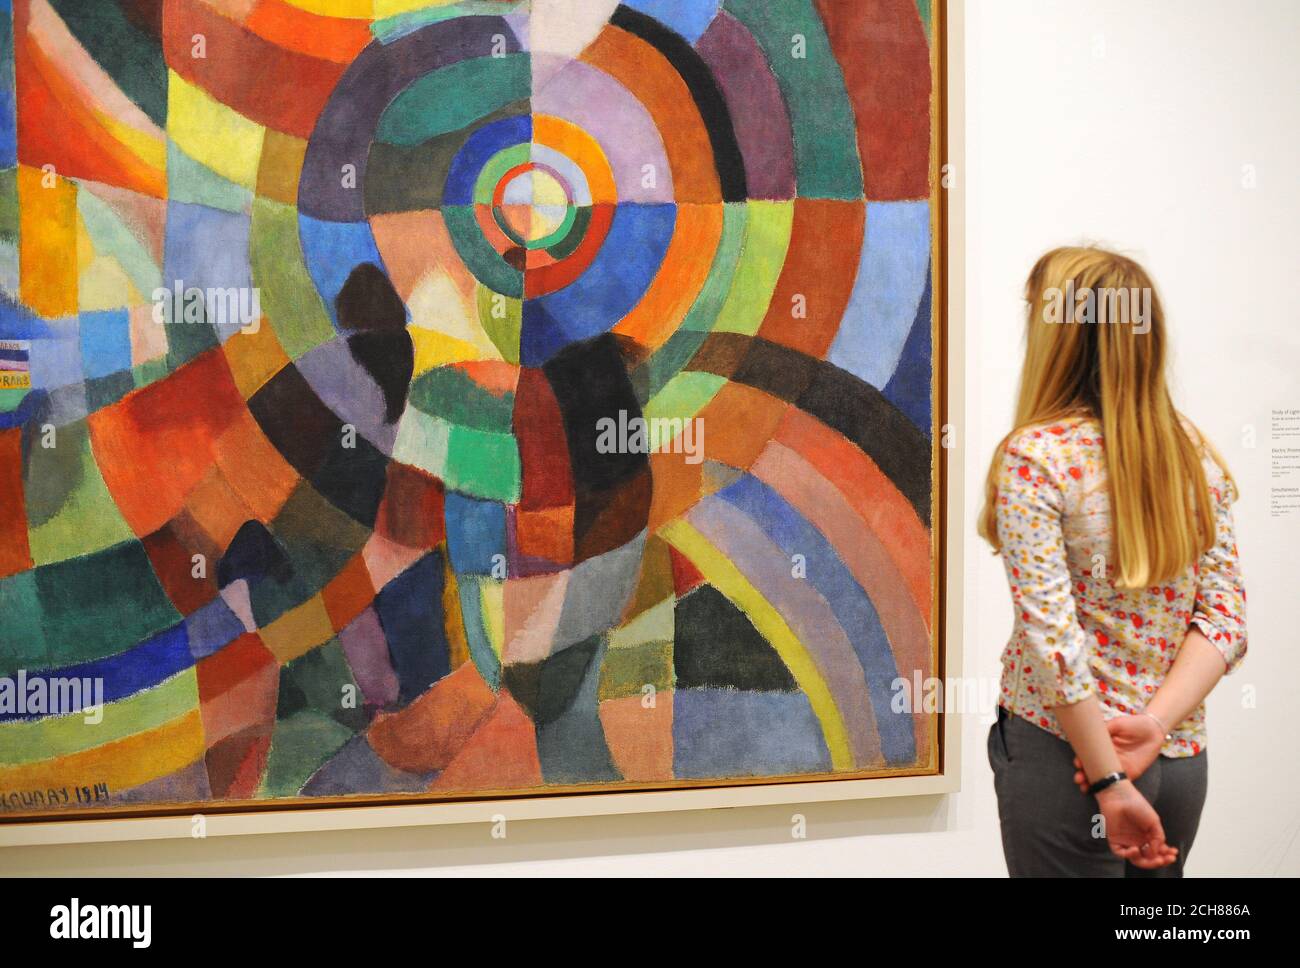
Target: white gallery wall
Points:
(1168, 128)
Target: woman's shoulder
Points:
(1216, 474)
(1048, 438)
(1193, 433)
(1067, 452)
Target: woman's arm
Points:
(1220, 608)
(1050, 647)
(1214, 646)
(1137, 739)
(1133, 830)
(1086, 729)
(1195, 672)
(1052, 651)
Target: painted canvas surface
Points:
(409, 399)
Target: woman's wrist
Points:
(1106, 782)
(1164, 728)
(1117, 790)
(1086, 730)
(1197, 668)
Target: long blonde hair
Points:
(1079, 362)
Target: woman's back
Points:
(1122, 566)
(1055, 527)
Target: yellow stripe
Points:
(34, 740)
(493, 602)
(727, 578)
(349, 9)
(299, 630)
(47, 243)
(121, 765)
(434, 349)
(149, 148)
(213, 134)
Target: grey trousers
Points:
(1048, 826)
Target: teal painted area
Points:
(191, 181)
(101, 604)
(132, 58)
(479, 256)
(484, 465)
(812, 85)
(923, 9)
(454, 97)
(451, 393)
(399, 25)
(110, 235)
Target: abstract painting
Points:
(408, 400)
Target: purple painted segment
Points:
(367, 651)
(347, 124)
(758, 111)
(188, 784)
(346, 388)
(212, 627)
(602, 107)
(357, 768)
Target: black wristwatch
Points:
(1110, 779)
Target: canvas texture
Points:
(410, 399)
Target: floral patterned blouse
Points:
(1078, 635)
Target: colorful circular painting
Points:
(452, 399)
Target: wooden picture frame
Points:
(940, 775)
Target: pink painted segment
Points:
(873, 496)
(863, 554)
(640, 739)
(860, 548)
(757, 109)
(533, 607)
(415, 244)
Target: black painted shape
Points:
(295, 420)
(779, 370)
(353, 479)
(546, 689)
(879, 429)
(373, 314)
(310, 437)
(410, 612)
(368, 301)
(715, 646)
(837, 398)
(590, 383)
(390, 359)
(253, 554)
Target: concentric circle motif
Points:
(525, 208)
(533, 206)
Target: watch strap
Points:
(1110, 779)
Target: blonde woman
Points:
(1113, 519)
